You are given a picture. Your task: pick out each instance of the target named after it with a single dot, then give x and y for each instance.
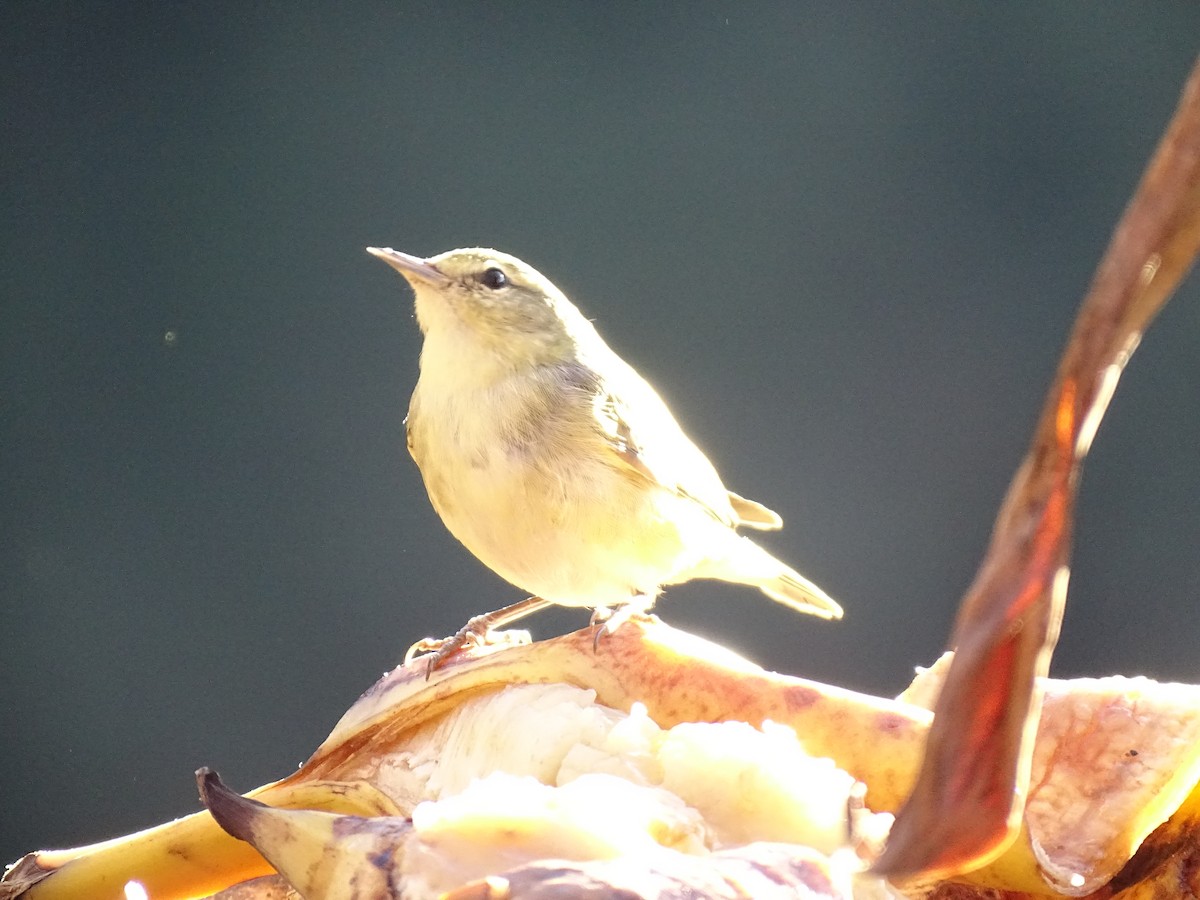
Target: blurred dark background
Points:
(846, 243)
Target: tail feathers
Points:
(792, 589)
(748, 563)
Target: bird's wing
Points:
(646, 440)
(409, 439)
(754, 515)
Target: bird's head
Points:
(506, 305)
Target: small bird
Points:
(556, 463)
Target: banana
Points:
(324, 856)
(1167, 865)
(677, 676)
(639, 663)
(755, 872)
(189, 857)
(1115, 758)
(333, 857)
(495, 848)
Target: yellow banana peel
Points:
(189, 857)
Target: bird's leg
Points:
(606, 620)
(479, 630)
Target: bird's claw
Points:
(480, 631)
(606, 621)
(476, 633)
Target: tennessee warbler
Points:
(553, 461)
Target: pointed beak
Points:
(411, 267)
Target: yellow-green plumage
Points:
(553, 461)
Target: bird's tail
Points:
(792, 589)
(750, 564)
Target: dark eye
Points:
(493, 278)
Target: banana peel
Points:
(334, 857)
(1115, 759)
(369, 849)
(189, 857)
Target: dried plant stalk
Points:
(967, 804)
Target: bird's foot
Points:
(607, 620)
(480, 631)
(436, 651)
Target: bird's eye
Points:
(493, 278)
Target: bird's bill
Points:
(409, 266)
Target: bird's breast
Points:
(481, 452)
